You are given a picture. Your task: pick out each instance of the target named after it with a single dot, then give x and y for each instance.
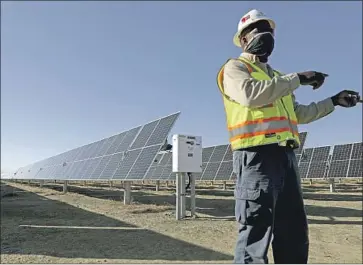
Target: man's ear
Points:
(243, 41)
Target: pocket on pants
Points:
(252, 208)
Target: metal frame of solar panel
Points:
(125, 156)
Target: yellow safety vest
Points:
(272, 123)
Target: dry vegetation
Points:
(91, 225)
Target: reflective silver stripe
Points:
(262, 127)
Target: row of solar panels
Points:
(318, 162)
(332, 161)
(337, 161)
(127, 155)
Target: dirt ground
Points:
(91, 225)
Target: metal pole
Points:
(332, 185)
(183, 195)
(65, 186)
(127, 192)
(178, 197)
(192, 195)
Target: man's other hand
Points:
(346, 98)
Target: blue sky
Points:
(76, 72)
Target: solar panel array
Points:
(134, 155)
(217, 164)
(125, 156)
(344, 161)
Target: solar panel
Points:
(218, 153)
(306, 155)
(107, 167)
(321, 153)
(144, 135)
(298, 158)
(229, 155)
(225, 171)
(313, 162)
(143, 162)
(302, 137)
(317, 169)
(338, 169)
(162, 130)
(355, 168)
(210, 171)
(161, 168)
(357, 151)
(127, 155)
(207, 153)
(342, 152)
(303, 169)
(213, 165)
(137, 161)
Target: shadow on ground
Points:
(223, 207)
(76, 233)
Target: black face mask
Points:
(261, 45)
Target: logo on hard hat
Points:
(244, 19)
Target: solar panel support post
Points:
(127, 192)
(183, 194)
(180, 196)
(192, 195)
(332, 184)
(157, 185)
(65, 186)
(41, 183)
(177, 197)
(310, 182)
(224, 185)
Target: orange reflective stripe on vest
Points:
(262, 126)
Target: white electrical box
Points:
(187, 153)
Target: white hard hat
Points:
(249, 18)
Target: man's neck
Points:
(254, 59)
(251, 57)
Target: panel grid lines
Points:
(143, 146)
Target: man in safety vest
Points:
(262, 117)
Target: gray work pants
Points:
(269, 205)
